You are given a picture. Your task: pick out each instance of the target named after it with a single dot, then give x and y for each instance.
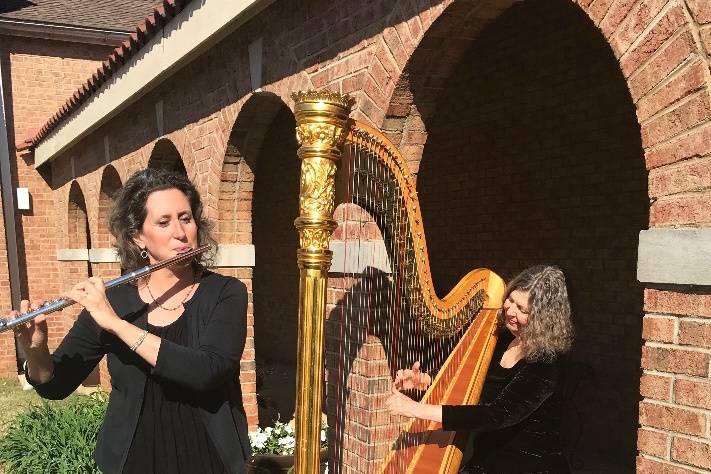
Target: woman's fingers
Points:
(413, 378)
(397, 402)
(36, 304)
(97, 282)
(76, 295)
(423, 381)
(42, 318)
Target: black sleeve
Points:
(220, 349)
(75, 358)
(527, 391)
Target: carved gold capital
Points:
(321, 128)
(326, 98)
(321, 118)
(324, 135)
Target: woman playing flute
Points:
(173, 342)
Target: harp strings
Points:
(376, 327)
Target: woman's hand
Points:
(402, 405)
(399, 404)
(408, 379)
(32, 335)
(91, 294)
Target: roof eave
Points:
(56, 32)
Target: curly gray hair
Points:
(550, 330)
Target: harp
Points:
(380, 312)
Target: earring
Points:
(144, 254)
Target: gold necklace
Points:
(148, 286)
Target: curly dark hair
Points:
(550, 330)
(129, 213)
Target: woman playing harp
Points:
(173, 341)
(517, 419)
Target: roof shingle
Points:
(114, 15)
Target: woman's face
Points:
(516, 311)
(169, 227)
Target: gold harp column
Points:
(321, 119)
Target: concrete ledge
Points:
(234, 255)
(678, 256)
(71, 255)
(355, 257)
(103, 256)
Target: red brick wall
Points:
(662, 47)
(248, 374)
(39, 76)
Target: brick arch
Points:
(661, 47)
(244, 155)
(110, 184)
(239, 164)
(78, 235)
(76, 268)
(657, 49)
(165, 155)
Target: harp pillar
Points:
(321, 128)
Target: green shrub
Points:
(54, 438)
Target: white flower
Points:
(287, 445)
(258, 439)
(279, 439)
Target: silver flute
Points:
(61, 303)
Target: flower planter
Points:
(278, 464)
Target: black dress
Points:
(516, 426)
(170, 437)
(207, 367)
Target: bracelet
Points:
(139, 341)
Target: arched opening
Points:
(258, 202)
(75, 266)
(102, 264)
(110, 185)
(78, 235)
(166, 156)
(531, 153)
(276, 276)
